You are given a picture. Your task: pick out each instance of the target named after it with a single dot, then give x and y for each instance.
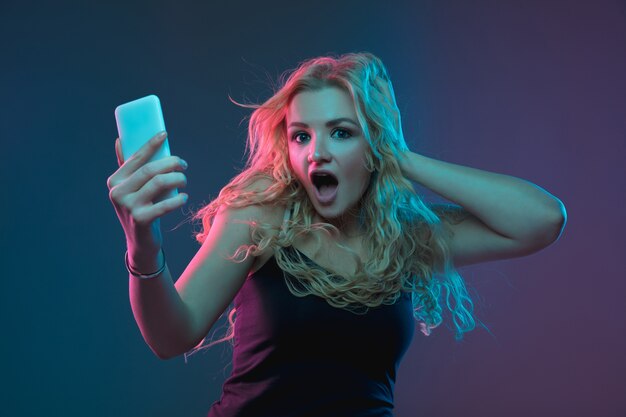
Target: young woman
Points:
(323, 245)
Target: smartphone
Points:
(137, 122)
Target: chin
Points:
(329, 213)
(333, 211)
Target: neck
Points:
(347, 224)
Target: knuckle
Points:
(173, 162)
(161, 209)
(139, 216)
(159, 180)
(154, 140)
(110, 182)
(134, 157)
(113, 195)
(146, 171)
(116, 196)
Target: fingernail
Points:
(161, 135)
(184, 163)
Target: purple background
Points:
(530, 89)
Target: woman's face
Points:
(323, 135)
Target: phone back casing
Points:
(137, 122)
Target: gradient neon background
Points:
(531, 89)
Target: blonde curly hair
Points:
(405, 240)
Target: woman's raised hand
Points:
(134, 187)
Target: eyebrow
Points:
(329, 123)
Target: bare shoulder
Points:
(269, 214)
(266, 213)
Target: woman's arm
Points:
(162, 316)
(507, 216)
(175, 317)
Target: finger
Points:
(136, 160)
(159, 185)
(138, 179)
(148, 214)
(118, 152)
(144, 153)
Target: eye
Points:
(342, 133)
(298, 137)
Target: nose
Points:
(318, 152)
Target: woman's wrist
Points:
(145, 265)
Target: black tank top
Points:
(299, 356)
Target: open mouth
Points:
(326, 185)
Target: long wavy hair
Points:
(405, 239)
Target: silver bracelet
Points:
(144, 276)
